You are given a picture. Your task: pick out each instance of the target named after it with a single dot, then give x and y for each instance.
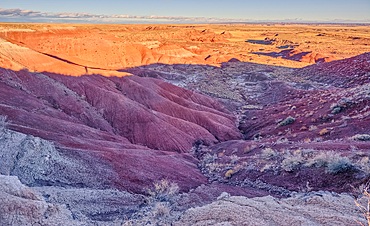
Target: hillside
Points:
(119, 124)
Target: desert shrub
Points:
(340, 105)
(312, 128)
(161, 209)
(289, 164)
(292, 160)
(323, 132)
(339, 165)
(234, 159)
(269, 153)
(320, 160)
(307, 153)
(229, 173)
(215, 167)
(282, 140)
(335, 109)
(361, 137)
(363, 164)
(266, 167)
(208, 158)
(249, 148)
(163, 191)
(287, 121)
(333, 162)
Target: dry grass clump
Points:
(363, 164)
(269, 153)
(287, 121)
(289, 164)
(340, 105)
(333, 162)
(339, 164)
(161, 210)
(160, 206)
(219, 170)
(323, 132)
(234, 159)
(229, 173)
(208, 158)
(293, 159)
(361, 137)
(312, 128)
(163, 191)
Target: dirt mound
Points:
(20, 205)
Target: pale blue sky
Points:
(308, 10)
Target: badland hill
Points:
(119, 124)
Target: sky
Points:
(185, 11)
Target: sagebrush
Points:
(163, 190)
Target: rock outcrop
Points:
(20, 205)
(318, 208)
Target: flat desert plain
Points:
(105, 48)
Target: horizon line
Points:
(29, 16)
